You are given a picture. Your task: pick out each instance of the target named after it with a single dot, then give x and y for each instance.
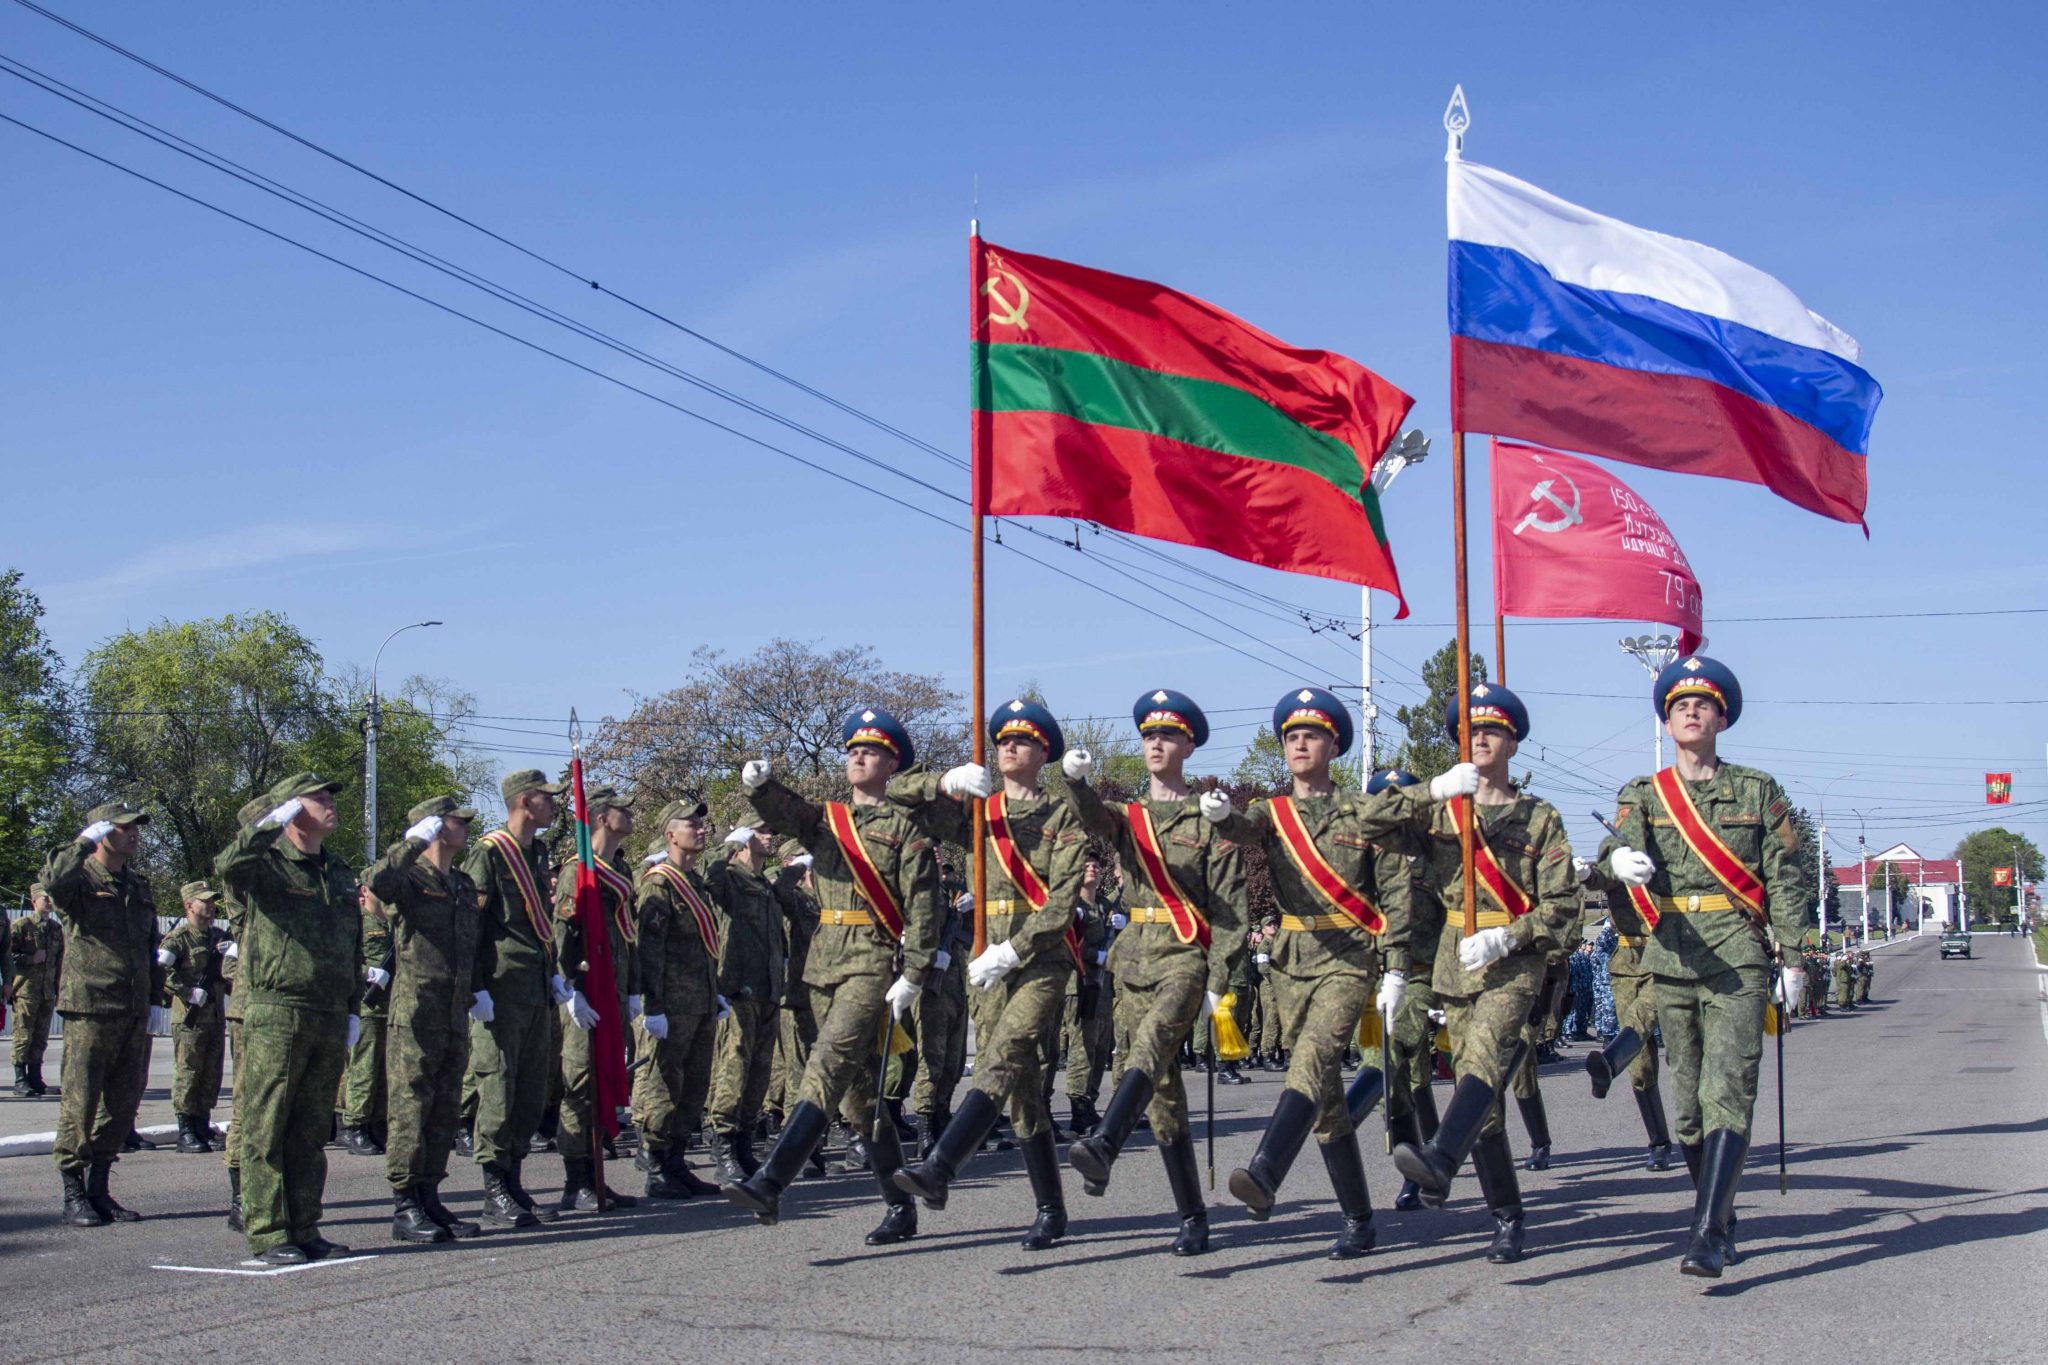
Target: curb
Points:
(41, 1144)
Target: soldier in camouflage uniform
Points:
(1635, 1009)
(1723, 883)
(939, 1025)
(1085, 1032)
(611, 824)
(190, 954)
(1845, 979)
(439, 983)
(230, 974)
(1173, 963)
(752, 947)
(1411, 1039)
(363, 1101)
(1322, 851)
(1035, 858)
(1488, 983)
(795, 1026)
(679, 969)
(1866, 972)
(1539, 1032)
(303, 973)
(108, 999)
(878, 887)
(35, 944)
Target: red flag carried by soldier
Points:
(1998, 789)
(608, 1038)
(1570, 539)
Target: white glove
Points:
(427, 830)
(969, 779)
(653, 858)
(997, 961)
(355, 1030)
(286, 813)
(753, 773)
(1393, 985)
(656, 1025)
(165, 957)
(1119, 921)
(1582, 868)
(482, 1008)
(1486, 946)
(942, 959)
(378, 977)
(900, 995)
(1630, 867)
(724, 1006)
(1215, 807)
(96, 831)
(1101, 956)
(1792, 988)
(1439, 1017)
(1212, 1001)
(1078, 765)
(1461, 780)
(559, 989)
(633, 1007)
(1262, 958)
(580, 1012)
(232, 950)
(158, 1017)
(197, 995)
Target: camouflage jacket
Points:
(300, 939)
(195, 964)
(437, 938)
(27, 941)
(800, 924)
(1527, 837)
(512, 947)
(375, 933)
(570, 932)
(110, 931)
(678, 973)
(751, 941)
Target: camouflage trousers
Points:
(32, 1015)
(363, 1101)
(669, 1092)
(742, 1055)
(1022, 1014)
(106, 1067)
(840, 1077)
(424, 1064)
(1413, 1047)
(511, 1058)
(1845, 989)
(1086, 1039)
(1264, 1029)
(295, 1062)
(1714, 1041)
(1541, 1027)
(1156, 1019)
(939, 1022)
(231, 1147)
(1635, 1006)
(1863, 988)
(795, 1029)
(195, 1066)
(1321, 1014)
(1486, 1030)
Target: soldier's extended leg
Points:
(1411, 1096)
(1486, 1036)
(1536, 1034)
(1718, 1024)
(1635, 1003)
(104, 1072)
(510, 1057)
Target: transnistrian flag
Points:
(1584, 332)
(609, 1082)
(1114, 400)
(1997, 789)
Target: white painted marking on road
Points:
(264, 1273)
(2043, 983)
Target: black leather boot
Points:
(21, 1085)
(1494, 1164)
(190, 1140)
(1538, 1123)
(726, 1158)
(1255, 1185)
(409, 1222)
(1093, 1155)
(235, 1198)
(1432, 1165)
(579, 1188)
(96, 1191)
(501, 1207)
(1721, 1157)
(743, 1149)
(1227, 1074)
(681, 1176)
(1042, 1164)
(1407, 1130)
(429, 1197)
(761, 1193)
(1347, 1177)
(899, 1224)
(136, 1142)
(465, 1140)
(35, 1080)
(659, 1185)
(929, 1179)
(1367, 1089)
(1081, 1115)
(1425, 1109)
(1650, 1104)
(1186, 1183)
(930, 1123)
(79, 1210)
(515, 1181)
(1610, 1061)
(857, 1160)
(360, 1141)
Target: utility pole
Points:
(1655, 653)
(1412, 447)
(373, 719)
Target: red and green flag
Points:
(1114, 400)
(1998, 789)
(609, 1085)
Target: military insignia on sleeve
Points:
(1556, 854)
(1621, 813)
(1778, 809)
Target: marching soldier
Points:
(796, 1028)
(363, 1101)
(678, 1029)
(1488, 984)
(108, 1000)
(1173, 963)
(752, 946)
(440, 973)
(1321, 854)
(878, 928)
(304, 976)
(35, 945)
(1085, 1036)
(512, 1051)
(1267, 1033)
(191, 955)
(1707, 852)
(1411, 1038)
(1036, 853)
(939, 1025)
(1635, 1009)
(1537, 1035)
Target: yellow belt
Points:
(846, 917)
(1486, 919)
(1149, 914)
(1693, 905)
(1630, 940)
(1296, 924)
(1007, 906)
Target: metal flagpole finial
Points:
(1457, 118)
(575, 731)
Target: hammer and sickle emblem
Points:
(1001, 309)
(1568, 516)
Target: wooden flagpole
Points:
(978, 329)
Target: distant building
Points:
(1936, 894)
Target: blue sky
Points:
(199, 420)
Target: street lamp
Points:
(1655, 653)
(372, 718)
(1820, 856)
(1412, 447)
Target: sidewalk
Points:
(28, 1127)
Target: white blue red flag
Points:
(1583, 332)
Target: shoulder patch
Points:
(1779, 809)
(1621, 813)
(1556, 854)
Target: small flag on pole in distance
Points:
(1998, 789)
(2001, 876)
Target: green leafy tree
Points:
(35, 811)
(1428, 750)
(1990, 848)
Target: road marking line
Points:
(2043, 981)
(261, 1274)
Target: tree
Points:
(1428, 750)
(416, 752)
(1984, 850)
(35, 813)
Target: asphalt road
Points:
(1916, 1227)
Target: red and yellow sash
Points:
(609, 879)
(1744, 887)
(1316, 870)
(1020, 872)
(707, 927)
(867, 878)
(1493, 878)
(1188, 924)
(515, 862)
(1645, 906)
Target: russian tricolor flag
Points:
(1582, 332)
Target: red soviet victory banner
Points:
(1998, 789)
(1570, 539)
(2001, 876)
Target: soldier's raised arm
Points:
(942, 817)
(390, 874)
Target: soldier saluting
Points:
(1707, 853)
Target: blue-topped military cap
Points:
(1167, 709)
(1313, 706)
(1390, 777)
(1032, 721)
(1492, 705)
(1697, 676)
(873, 725)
